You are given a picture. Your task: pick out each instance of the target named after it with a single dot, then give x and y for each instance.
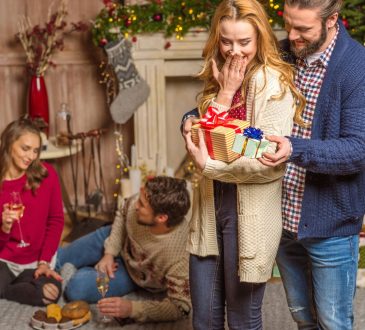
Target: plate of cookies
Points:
(71, 316)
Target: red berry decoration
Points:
(157, 17)
(103, 42)
(345, 23)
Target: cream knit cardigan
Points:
(258, 187)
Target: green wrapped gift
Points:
(251, 143)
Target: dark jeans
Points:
(24, 289)
(214, 280)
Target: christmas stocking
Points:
(133, 90)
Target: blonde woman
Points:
(236, 222)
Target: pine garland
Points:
(353, 17)
(169, 17)
(174, 17)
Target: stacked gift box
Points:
(219, 132)
(250, 143)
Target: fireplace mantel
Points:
(155, 64)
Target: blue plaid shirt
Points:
(308, 79)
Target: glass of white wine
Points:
(17, 205)
(102, 283)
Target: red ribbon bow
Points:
(213, 119)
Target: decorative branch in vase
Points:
(39, 43)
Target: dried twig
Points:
(39, 42)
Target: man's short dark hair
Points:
(169, 196)
(328, 7)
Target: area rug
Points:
(276, 316)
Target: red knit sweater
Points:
(41, 224)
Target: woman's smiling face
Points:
(237, 37)
(24, 151)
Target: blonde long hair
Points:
(267, 53)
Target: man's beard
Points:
(311, 47)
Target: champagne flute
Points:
(102, 283)
(17, 205)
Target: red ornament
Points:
(280, 13)
(157, 17)
(109, 4)
(134, 39)
(103, 42)
(167, 45)
(127, 22)
(150, 177)
(345, 23)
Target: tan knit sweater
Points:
(155, 262)
(258, 188)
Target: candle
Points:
(133, 156)
(126, 188)
(169, 171)
(135, 178)
(158, 164)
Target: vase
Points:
(38, 100)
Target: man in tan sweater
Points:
(144, 248)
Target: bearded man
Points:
(324, 186)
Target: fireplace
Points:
(170, 75)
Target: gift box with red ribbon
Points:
(219, 132)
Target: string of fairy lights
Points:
(170, 17)
(122, 166)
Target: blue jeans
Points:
(84, 254)
(214, 280)
(319, 277)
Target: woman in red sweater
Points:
(30, 229)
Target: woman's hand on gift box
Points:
(188, 123)
(282, 153)
(198, 153)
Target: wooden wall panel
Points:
(75, 79)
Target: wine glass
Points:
(17, 205)
(102, 283)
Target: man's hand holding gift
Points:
(282, 154)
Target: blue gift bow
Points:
(253, 133)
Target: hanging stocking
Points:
(133, 90)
